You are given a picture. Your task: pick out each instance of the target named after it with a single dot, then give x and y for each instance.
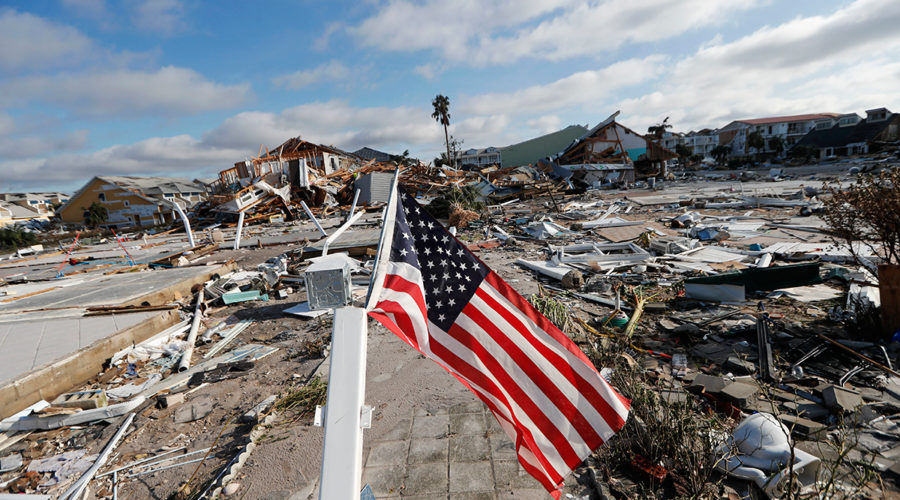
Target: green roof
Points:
(530, 151)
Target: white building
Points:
(478, 158)
(789, 128)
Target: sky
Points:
(188, 87)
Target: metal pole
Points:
(313, 217)
(353, 205)
(334, 235)
(237, 235)
(77, 489)
(185, 362)
(187, 224)
(342, 451)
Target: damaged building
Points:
(133, 201)
(851, 136)
(611, 153)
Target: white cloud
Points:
(30, 42)
(181, 156)
(546, 124)
(429, 71)
(333, 122)
(332, 71)
(167, 91)
(165, 17)
(801, 66)
(29, 146)
(92, 9)
(448, 26)
(582, 88)
(7, 124)
(482, 33)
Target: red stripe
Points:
(400, 284)
(405, 330)
(536, 374)
(522, 399)
(459, 368)
(523, 305)
(543, 323)
(587, 388)
(478, 378)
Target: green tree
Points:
(776, 143)
(756, 141)
(720, 153)
(441, 113)
(403, 160)
(95, 215)
(14, 239)
(683, 153)
(660, 128)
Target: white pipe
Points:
(77, 489)
(313, 217)
(353, 205)
(185, 361)
(334, 235)
(187, 224)
(237, 235)
(341, 472)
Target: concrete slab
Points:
(426, 479)
(105, 290)
(471, 477)
(470, 448)
(430, 426)
(27, 345)
(426, 450)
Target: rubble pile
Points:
(745, 336)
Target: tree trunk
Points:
(447, 142)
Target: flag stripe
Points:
(557, 390)
(583, 378)
(547, 434)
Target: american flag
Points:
(438, 297)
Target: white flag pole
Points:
(387, 236)
(341, 473)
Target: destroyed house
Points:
(133, 201)
(42, 203)
(293, 158)
(11, 213)
(612, 152)
(850, 137)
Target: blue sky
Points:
(188, 87)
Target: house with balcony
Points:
(477, 158)
(702, 142)
(790, 129)
(853, 135)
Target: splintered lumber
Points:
(635, 316)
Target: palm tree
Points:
(659, 129)
(441, 113)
